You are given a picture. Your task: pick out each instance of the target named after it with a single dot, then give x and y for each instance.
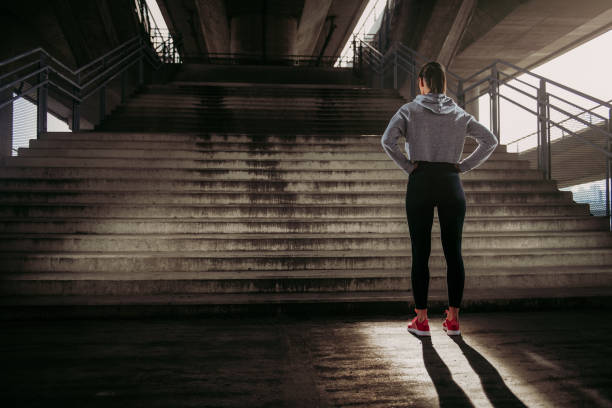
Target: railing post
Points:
(609, 173)
(102, 103)
(354, 54)
(102, 99)
(360, 58)
(543, 134)
(123, 85)
(76, 107)
(41, 96)
(381, 72)
(140, 63)
(395, 68)
(494, 104)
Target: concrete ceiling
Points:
(528, 32)
(467, 35)
(299, 27)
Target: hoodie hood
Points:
(437, 103)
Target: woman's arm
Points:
(396, 128)
(486, 144)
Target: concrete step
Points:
(279, 197)
(289, 281)
(286, 102)
(57, 173)
(306, 225)
(221, 146)
(304, 304)
(253, 164)
(255, 186)
(219, 141)
(378, 154)
(103, 211)
(194, 87)
(258, 125)
(234, 261)
(33, 242)
(215, 138)
(322, 116)
(290, 106)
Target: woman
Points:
(435, 129)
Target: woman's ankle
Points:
(421, 314)
(453, 313)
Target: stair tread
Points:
(295, 274)
(302, 297)
(293, 219)
(299, 253)
(281, 235)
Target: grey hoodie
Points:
(435, 128)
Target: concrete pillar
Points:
(6, 125)
(281, 35)
(247, 34)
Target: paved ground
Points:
(514, 359)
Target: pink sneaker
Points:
(420, 328)
(451, 327)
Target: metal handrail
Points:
(74, 83)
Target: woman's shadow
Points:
(492, 382)
(450, 394)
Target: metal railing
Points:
(36, 74)
(161, 39)
(261, 59)
(557, 110)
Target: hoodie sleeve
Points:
(487, 141)
(395, 129)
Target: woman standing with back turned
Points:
(435, 129)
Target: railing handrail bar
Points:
(94, 90)
(516, 79)
(25, 54)
(10, 84)
(60, 88)
(21, 68)
(488, 67)
(109, 69)
(27, 91)
(111, 60)
(370, 46)
(536, 132)
(604, 132)
(469, 88)
(576, 106)
(550, 81)
(107, 54)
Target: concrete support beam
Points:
(456, 31)
(311, 23)
(183, 20)
(214, 24)
(445, 28)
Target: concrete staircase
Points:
(235, 195)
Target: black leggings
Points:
(436, 184)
